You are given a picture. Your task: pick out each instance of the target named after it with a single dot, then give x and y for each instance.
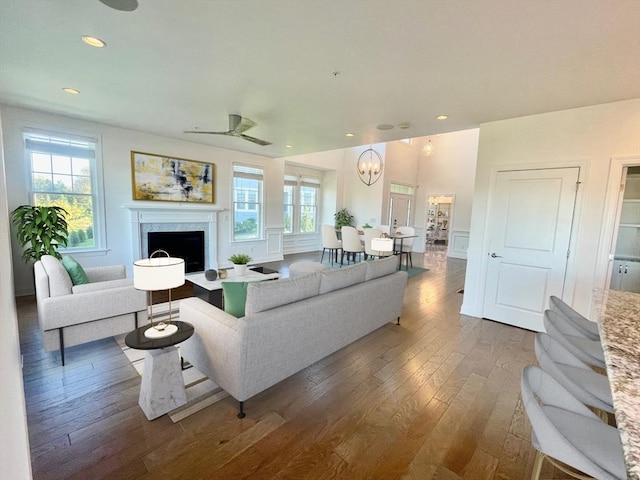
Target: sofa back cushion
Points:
(263, 296)
(337, 278)
(381, 267)
(59, 280)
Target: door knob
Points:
(493, 255)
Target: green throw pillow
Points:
(235, 297)
(75, 270)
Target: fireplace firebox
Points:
(187, 245)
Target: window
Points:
(300, 205)
(247, 202)
(63, 172)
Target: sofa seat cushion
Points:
(59, 280)
(263, 296)
(235, 298)
(381, 267)
(338, 278)
(75, 270)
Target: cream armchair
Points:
(71, 315)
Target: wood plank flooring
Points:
(434, 398)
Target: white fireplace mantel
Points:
(180, 216)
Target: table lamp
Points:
(382, 245)
(158, 273)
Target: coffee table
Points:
(211, 291)
(162, 388)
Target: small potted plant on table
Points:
(240, 261)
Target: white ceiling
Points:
(174, 65)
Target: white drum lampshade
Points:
(158, 273)
(382, 245)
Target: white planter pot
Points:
(240, 270)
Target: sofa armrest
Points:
(216, 347)
(101, 274)
(65, 310)
(102, 286)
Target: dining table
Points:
(618, 316)
(398, 241)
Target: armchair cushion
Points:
(75, 270)
(59, 280)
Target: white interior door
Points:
(529, 233)
(399, 211)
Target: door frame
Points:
(611, 218)
(570, 273)
(452, 211)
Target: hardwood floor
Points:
(436, 397)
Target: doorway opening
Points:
(438, 222)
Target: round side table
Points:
(162, 388)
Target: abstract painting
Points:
(170, 179)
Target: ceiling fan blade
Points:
(210, 133)
(255, 140)
(244, 125)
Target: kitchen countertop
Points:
(618, 315)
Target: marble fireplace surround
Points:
(174, 218)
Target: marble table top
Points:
(619, 326)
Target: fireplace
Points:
(182, 244)
(146, 219)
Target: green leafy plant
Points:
(43, 229)
(366, 225)
(240, 259)
(343, 218)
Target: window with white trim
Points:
(300, 204)
(247, 202)
(64, 171)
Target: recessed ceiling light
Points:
(404, 125)
(93, 41)
(385, 126)
(72, 91)
(442, 117)
(349, 134)
(288, 146)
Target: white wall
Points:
(450, 169)
(589, 137)
(15, 461)
(117, 144)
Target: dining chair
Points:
(351, 244)
(330, 242)
(407, 244)
(566, 432)
(577, 377)
(583, 325)
(386, 229)
(369, 234)
(589, 351)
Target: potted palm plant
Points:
(43, 228)
(240, 261)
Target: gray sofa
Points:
(71, 315)
(290, 324)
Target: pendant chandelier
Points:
(369, 166)
(428, 148)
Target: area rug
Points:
(201, 391)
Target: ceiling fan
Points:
(237, 126)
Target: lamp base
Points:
(153, 332)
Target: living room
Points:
(588, 136)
